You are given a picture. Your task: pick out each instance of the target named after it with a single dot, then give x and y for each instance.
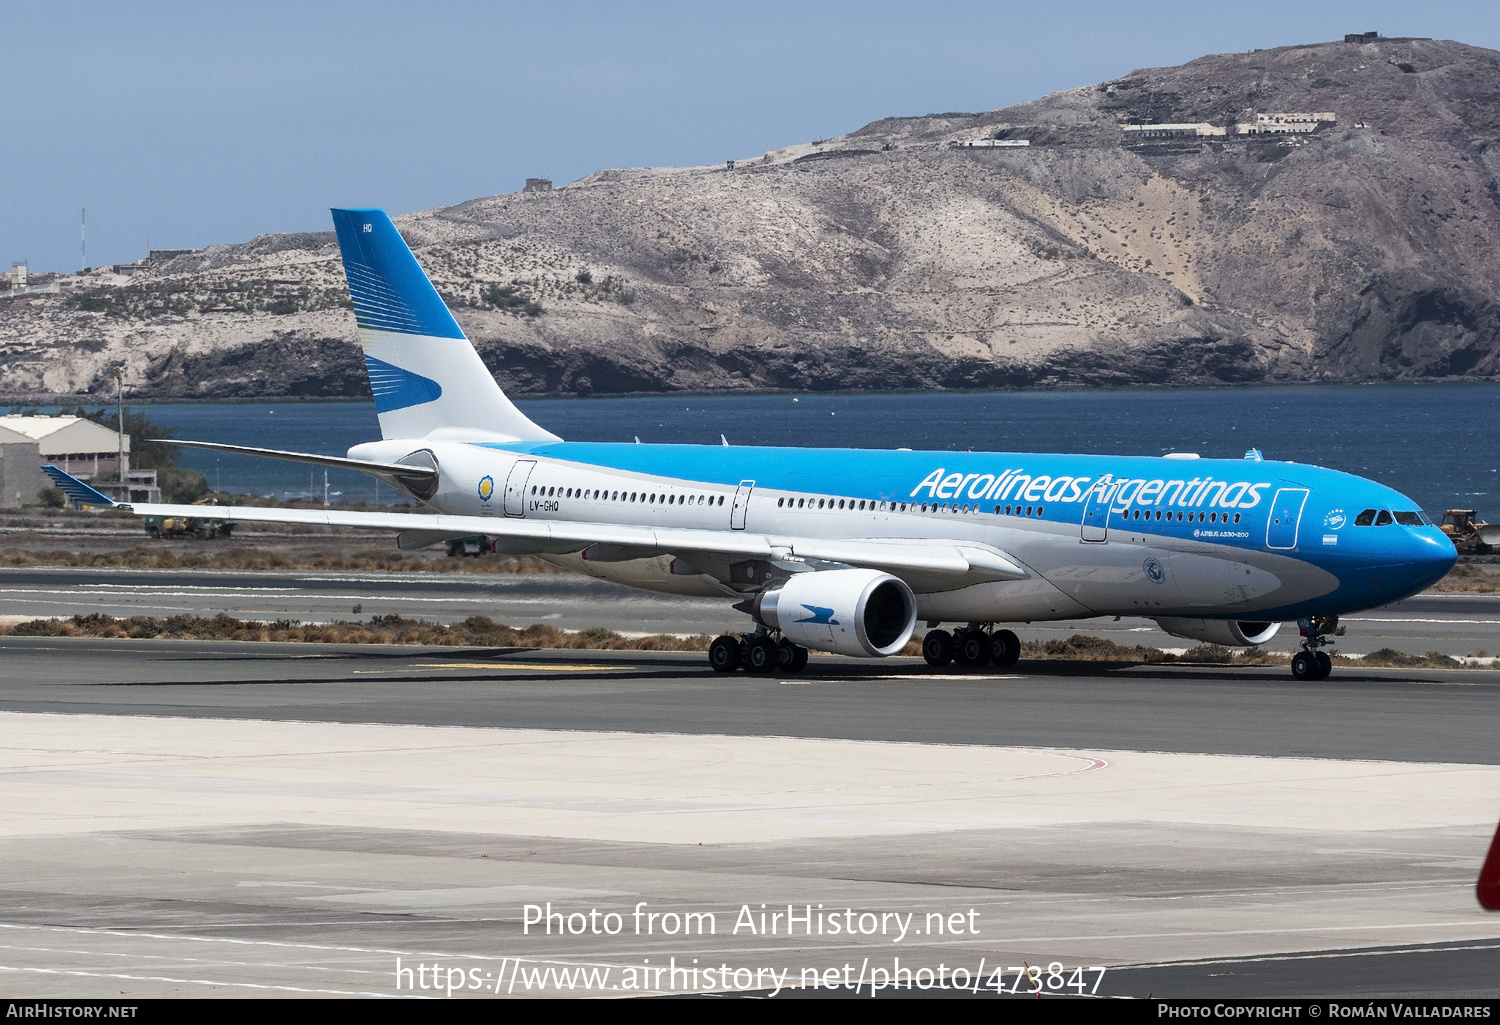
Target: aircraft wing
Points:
(544, 537)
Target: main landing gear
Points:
(1312, 662)
(758, 653)
(972, 646)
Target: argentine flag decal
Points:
(395, 388)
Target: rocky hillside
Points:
(889, 258)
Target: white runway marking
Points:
(1440, 622)
(263, 986)
(1321, 955)
(205, 589)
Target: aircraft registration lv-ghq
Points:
(846, 550)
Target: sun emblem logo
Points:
(486, 489)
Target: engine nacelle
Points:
(1228, 632)
(860, 612)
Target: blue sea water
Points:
(1433, 442)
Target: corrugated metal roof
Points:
(57, 435)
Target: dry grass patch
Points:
(372, 560)
(476, 631)
(1390, 658)
(1466, 576)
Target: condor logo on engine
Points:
(820, 616)
(875, 612)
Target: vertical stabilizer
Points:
(426, 377)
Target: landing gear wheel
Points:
(1305, 666)
(1005, 648)
(724, 654)
(761, 655)
(790, 658)
(971, 648)
(1325, 664)
(937, 647)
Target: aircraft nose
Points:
(1431, 555)
(1404, 560)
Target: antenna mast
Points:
(83, 238)
(120, 400)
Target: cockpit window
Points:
(1408, 519)
(1365, 518)
(1384, 519)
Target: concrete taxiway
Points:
(242, 819)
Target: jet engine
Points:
(1228, 632)
(860, 612)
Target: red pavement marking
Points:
(1489, 877)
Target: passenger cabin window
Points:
(1384, 519)
(1409, 519)
(1365, 518)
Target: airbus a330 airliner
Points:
(846, 550)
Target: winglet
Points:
(79, 492)
(1489, 877)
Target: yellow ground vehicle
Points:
(189, 526)
(1469, 535)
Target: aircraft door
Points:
(741, 505)
(1096, 515)
(515, 487)
(1286, 516)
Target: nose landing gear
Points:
(1312, 662)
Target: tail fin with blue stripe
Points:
(426, 377)
(77, 491)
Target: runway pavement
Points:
(1455, 624)
(216, 818)
(1407, 715)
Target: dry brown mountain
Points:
(888, 258)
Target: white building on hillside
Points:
(1286, 124)
(1198, 129)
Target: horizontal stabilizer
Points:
(75, 489)
(413, 473)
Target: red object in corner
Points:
(1489, 877)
